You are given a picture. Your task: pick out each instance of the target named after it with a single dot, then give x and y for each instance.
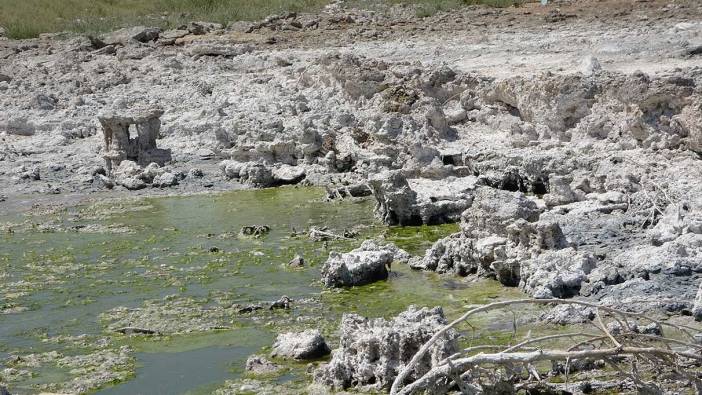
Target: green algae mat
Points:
(72, 280)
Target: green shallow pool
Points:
(68, 278)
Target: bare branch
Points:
(511, 356)
(546, 338)
(535, 356)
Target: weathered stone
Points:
(19, 126)
(286, 174)
(372, 351)
(544, 100)
(46, 102)
(364, 265)
(590, 65)
(253, 173)
(151, 171)
(129, 175)
(23, 173)
(242, 26)
(283, 303)
(493, 210)
(132, 184)
(304, 345)
(416, 201)
(451, 254)
(165, 180)
(556, 274)
(254, 231)
(211, 49)
(132, 136)
(195, 172)
(169, 37)
(560, 192)
(396, 201)
(569, 314)
(199, 28)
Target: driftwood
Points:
(465, 368)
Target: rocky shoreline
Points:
(573, 172)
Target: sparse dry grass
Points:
(29, 18)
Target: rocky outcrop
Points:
(493, 210)
(200, 28)
(262, 175)
(131, 135)
(371, 352)
(366, 264)
(286, 174)
(493, 219)
(556, 274)
(216, 49)
(304, 345)
(396, 201)
(253, 173)
(555, 101)
(568, 314)
(133, 177)
(502, 237)
(415, 201)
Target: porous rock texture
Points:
(303, 345)
(371, 352)
(415, 201)
(366, 264)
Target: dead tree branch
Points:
(624, 343)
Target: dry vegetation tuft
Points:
(29, 18)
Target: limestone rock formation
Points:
(131, 135)
(503, 237)
(304, 345)
(364, 265)
(371, 352)
(412, 201)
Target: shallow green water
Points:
(61, 276)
